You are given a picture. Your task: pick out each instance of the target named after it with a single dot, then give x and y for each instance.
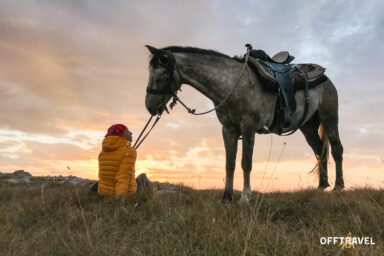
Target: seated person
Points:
(117, 164)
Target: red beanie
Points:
(116, 130)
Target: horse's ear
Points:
(153, 50)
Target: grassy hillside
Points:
(63, 219)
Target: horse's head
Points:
(164, 80)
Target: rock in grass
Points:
(19, 176)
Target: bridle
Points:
(174, 85)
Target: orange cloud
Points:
(68, 72)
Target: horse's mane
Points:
(195, 50)
(188, 49)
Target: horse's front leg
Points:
(246, 165)
(230, 137)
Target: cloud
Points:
(70, 69)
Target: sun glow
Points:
(62, 86)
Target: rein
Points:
(175, 87)
(138, 141)
(193, 111)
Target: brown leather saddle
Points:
(279, 75)
(282, 57)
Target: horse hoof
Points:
(338, 187)
(243, 202)
(323, 187)
(225, 200)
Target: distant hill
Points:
(22, 177)
(55, 216)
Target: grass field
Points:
(54, 219)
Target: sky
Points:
(70, 69)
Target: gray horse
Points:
(249, 109)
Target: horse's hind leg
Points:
(310, 131)
(328, 112)
(337, 154)
(331, 128)
(230, 137)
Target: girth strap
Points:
(306, 104)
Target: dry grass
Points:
(54, 219)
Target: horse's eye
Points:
(164, 60)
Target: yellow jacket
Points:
(117, 167)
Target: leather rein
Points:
(175, 86)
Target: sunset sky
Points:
(70, 69)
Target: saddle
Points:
(282, 57)
(284, 78)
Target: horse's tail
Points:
(324, 152)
